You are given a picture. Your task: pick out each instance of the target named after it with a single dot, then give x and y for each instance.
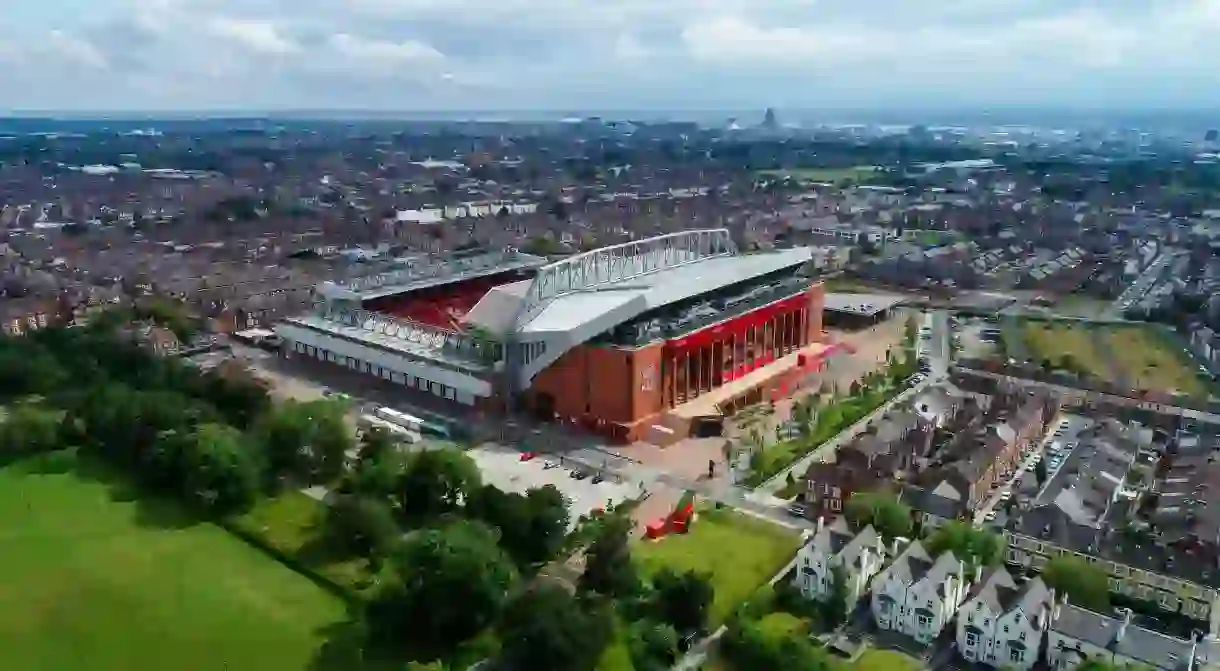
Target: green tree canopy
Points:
(976, 547)
(532, 526)
(682, 599)
(608, 567)
(308, 441)
(436, 482)
(1085, 585)
(889, 516)
(546, 628)
(360, 525)
(222, 474)
(447, 585)
(29, 429)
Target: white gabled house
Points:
(1002, 625)
(918, 595)
(858, 556)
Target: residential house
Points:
(917, 595)
(1178, 576)
(871, 459)
(1076, 634)
(1002, 625)
(982, 455)
(935, 506)
(857, 558)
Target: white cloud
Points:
(621, 53)
(258, 36)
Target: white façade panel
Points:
(341, 348)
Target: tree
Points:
(547, 628)
(220, 472)
(306, 440)
(376, 476)
(29, 429)
(653, 645)
(682, 599)
(436, 482)
(447, 585)
(758, 646)
(1086, 585)
(374, 443)
(608, 567)
(882, 510)
(360, 525)
(974, 546)
(854, 389)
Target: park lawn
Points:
(1151, 363)
(1054, 341)
(739, 553)
(886, 660)
(99, 583)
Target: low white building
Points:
(858, 557)
(1002, 625)
(918, 596)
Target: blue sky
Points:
(629, 54)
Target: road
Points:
(1141, 286)
(1069, 428)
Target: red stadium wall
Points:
(611, 390)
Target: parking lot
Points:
(589, 490)
(1054, 448)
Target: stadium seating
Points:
(441, 307)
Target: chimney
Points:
(1122, 627)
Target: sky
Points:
(173, 55)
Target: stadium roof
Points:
(641, 294)
(865, 305)
(429, 271)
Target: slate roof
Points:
(1142, 645)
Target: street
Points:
(1141, 286)
(1059, 441)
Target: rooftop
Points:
(636, 295)
(861, 304)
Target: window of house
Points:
(835, 505)
(1021, 637)
(972, 639)
(1005, 629)
(1015, 655)
(925, 621)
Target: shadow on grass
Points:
(153, 510)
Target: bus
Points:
(405, 435)
(408, 422)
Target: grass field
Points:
(832, 175)
(740, 553)
(1056, 340)
(1152, 363)
(95, 581)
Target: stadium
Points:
(653, 339)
